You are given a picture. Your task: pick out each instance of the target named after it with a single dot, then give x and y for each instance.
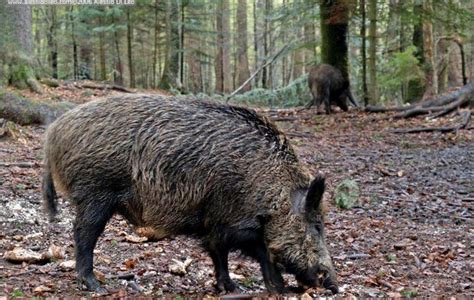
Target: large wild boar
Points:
(328, 86)
(222, 173)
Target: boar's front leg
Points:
(220, 258)
(271, 275)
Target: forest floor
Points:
(411, 234)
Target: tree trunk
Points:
(222, 61)
(444, 51)
(181, 42)
(365, 95)
(74, 44)
(129, 48)
(392, 40)
(16, 46)
(298, 59)
(309, 49)
(171, 68)
(242, 61)
(258, 31)
(372, 63)
(416, 87)
(52, 40)
(267, 45)
(85, 55)
(428, 51)
(194, 65)
(334, 25)
(103, 69)
(155, 45)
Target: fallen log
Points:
(465, 116)
(104, 87)
(25, 112)
(467, 91)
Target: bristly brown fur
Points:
(223, 173)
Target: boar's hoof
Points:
(92, 284)
(328, 284)
(276, 289)
(226, 285)
(333, 288)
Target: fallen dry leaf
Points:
(19, 255)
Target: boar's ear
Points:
(314, 195)
(298, 197)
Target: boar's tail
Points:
(49, 193)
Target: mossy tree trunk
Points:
(334, 25)
(16, 46)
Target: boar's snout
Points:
(321, 276)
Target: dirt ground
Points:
(411, 234)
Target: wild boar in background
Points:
(328, 86)
(222, 173)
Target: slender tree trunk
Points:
(429, 52)
(267, 45)
(284, 60)
(155, 44)
(365, 95)
(444, 51)
(52, 40)
(242, 57)
(222, 62)
(416, 87)
(74, 44)
(118, 75)
(298, 59)
(181, 42)
(129, 48)
(258, 6)
(372, 63)
(103, 68)
(310, 50)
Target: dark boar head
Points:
(296, 239)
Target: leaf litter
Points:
(410, 233)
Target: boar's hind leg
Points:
(326, 96)
(220, 258)
(92, 215)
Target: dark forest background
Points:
(395, 51)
